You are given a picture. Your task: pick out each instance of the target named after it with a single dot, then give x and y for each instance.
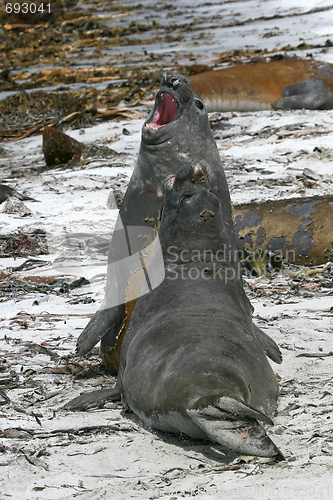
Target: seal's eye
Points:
(199, 104)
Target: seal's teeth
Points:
(151, 125)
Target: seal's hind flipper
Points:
(101, 323)
(93, 399)
(308, 94)
(230, 424)
(271, 349)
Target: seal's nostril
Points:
(167, 77)
(174, 81)
(171, 79)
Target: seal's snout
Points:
(170, 79)
(174, 98)
(178, 85)
(173, 80)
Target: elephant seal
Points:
(284, 83)
(191, 361)
(176, 132)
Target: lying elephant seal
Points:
(176, 132)
(191, 361)
(286, 83)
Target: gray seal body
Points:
(176, 133)
(191, 360)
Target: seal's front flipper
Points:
(308, 94)
(94, 399)
(271, 349)
(101, 323)
(235, 429)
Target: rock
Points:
(59, 148)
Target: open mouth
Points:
(166, 112)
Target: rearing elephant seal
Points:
(176, 132)
(191, 360)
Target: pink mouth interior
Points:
(165, 113)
